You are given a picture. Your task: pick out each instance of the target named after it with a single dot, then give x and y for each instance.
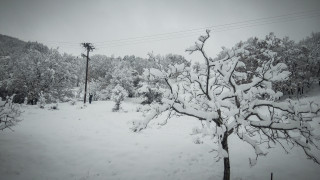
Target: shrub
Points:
(117, 95)
(9, 113)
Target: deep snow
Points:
(96, 143)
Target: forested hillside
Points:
(29, 68)
(10, 46)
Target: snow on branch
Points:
(199, 46)
(234, 94)
(153, 112)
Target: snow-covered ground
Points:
(96, 143)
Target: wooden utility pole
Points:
(89, 47)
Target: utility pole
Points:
(89, 47)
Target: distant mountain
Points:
(13, 47)
(10, 45)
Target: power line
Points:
(272, 22)
(197, 31)
(211, 27)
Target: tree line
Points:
(29, 69)
(32, 70)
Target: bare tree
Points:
(250, 110)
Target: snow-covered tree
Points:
(233, 101)
(42, 100)
(125, 75)
(9, 113)
(37, 68)
(310, 47)
(302, 60)
(118, 94)
(101, 66)
(167, 60)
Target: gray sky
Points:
(68, 23)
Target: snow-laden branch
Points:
(199, 46)
(234, 93)
(154, 111)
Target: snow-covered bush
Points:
(9, 113)
(73, 102)
(118, 94)
(25, 102)
(54, 106)
(42, 100)
(105, 93)
(151, 94)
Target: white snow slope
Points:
(96, 143)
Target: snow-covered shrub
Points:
(9, 113)
(104, 94)
(73, 102)
(54, 106)
(117, 95)
(25, 102)
(42, 100)
(151, 94)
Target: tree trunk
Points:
(226, 161)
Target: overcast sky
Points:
(144, 26)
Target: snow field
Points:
(96, 143)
